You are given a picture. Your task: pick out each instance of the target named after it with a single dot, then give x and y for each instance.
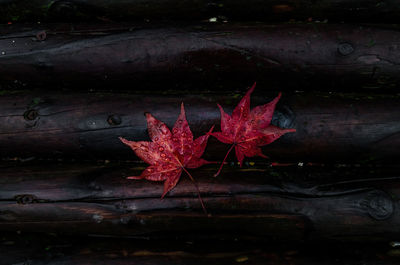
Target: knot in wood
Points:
(25, 198)
(114, 119)
(41, 36)
(283, 117)
(345, 48)
(379, 205)
(30, 115)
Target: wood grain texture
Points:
(288, 204)
(330, 127)
(204, 57)
(271, 10)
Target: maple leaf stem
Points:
(223, 162)
(198, 190)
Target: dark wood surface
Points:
(285, 203)
(225, 10)
(328, 194)
(55, 249)
(225, 57)
(331, 127)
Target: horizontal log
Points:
(258, 202)
(330, 128)
(271, 10)
(204, 57)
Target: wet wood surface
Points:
(331, 127)
(328, 194)
(288, 203)
(224, 10)
(137, 57)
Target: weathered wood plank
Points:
(271, 10)
(330, 127)
(242, 203)
(205, 57)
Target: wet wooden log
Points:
(204, 57)
(271, 10)
(289, 204)
(331, 128)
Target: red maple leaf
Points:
(169, 153)
(247, 129)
